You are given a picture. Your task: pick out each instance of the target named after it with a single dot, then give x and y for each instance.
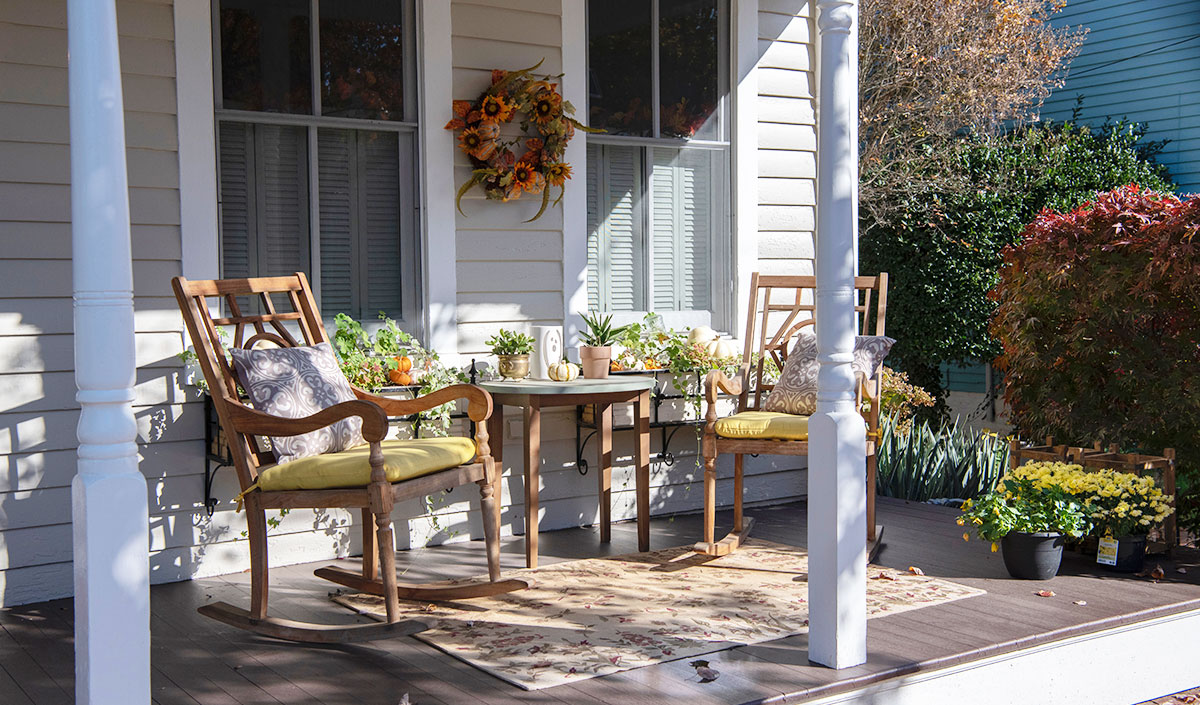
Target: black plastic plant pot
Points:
(1131, 554)
(1032, 556)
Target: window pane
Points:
(265, 56)
(688, 68)
(362, 59)
(619, 66)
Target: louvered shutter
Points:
(379, 198)
(594, 219)
(337, 158)
(684, 202)
(282, 187)
(616, 259)
(238, 251)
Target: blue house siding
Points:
(1141, 61)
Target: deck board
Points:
(197, 661)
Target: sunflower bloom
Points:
(495, 109)
(547, 106)
(527, 178)
(557, 173)
(477, 143)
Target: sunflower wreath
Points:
(496, 167)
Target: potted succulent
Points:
(512, 349)
(595, 354)
(1028, 514)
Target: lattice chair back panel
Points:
(782, 306)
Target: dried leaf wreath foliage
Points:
(497, 169)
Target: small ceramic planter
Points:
(1032, 556)
(595, 361)
(514, 367)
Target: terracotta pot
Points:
(595, 361)
(515, 367)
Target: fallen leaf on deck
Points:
(1181, 571)
(429, 608)
(1044, 593)
(1158, 573)
(1186, 698)
(915, 570)
(404, 700)
(1081, 603)
(884, 576)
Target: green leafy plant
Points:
(1021, 503)
(510, 342)
(1098, 315)
(947, 461)
(943, 248)
(600, 331)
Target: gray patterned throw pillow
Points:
(796, 391)
(298, 382)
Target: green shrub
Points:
(1099, 317)
(943, 253)
(953, 461)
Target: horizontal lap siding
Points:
(787, 138)
(1155, 80)
(38, 411)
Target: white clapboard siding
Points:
(38, 414)
(787, 138)
(1144, 66)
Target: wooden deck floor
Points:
(196, 660)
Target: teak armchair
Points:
(779, 309)
(243, 426)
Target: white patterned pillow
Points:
(796, 391)
(294, 383)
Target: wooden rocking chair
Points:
(778, 310)
(242, 426)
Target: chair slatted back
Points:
(196, 301)
(780, 306)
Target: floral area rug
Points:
(592, 617)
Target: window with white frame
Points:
(316, 128)
(659, 234)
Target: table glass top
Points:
(625, 383)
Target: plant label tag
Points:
(1106, 553)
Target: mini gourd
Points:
(721, 349)
(564, 371)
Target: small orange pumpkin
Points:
(403, 363)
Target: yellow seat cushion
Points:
(766, 425)
(402, 460)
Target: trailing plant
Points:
(1098, 312)
(600, 331)
(1024, 502)
(943, 248)
(950, 460)
(366, 359)
(510, 342)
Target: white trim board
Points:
(1119, 666)
(197, 139)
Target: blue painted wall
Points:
(1141, 61)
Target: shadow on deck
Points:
(198, 661)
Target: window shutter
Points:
(237, 202)
(618, 241)
(594, 219)
(683, 198)
(379, 196)
(337, 157)
(282, 186)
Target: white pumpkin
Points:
(564, 371)
(702, 335)
(720, 349)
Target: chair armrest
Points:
(479, 401)
(254, 422)
(866, 390)
(716, 381)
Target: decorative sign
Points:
(1106, 554)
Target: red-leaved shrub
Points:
(1099, 318)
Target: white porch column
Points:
(108, 495)
(837, 528)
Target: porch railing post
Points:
(837, 527)
(108, 494)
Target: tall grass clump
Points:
(951, 460)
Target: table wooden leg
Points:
(642, 459)
(495, 428)
(604, 476)
(533, 440)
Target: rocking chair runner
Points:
(778, 311)
(243, 425)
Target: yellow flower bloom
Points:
(966, 536)
(995, 547)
